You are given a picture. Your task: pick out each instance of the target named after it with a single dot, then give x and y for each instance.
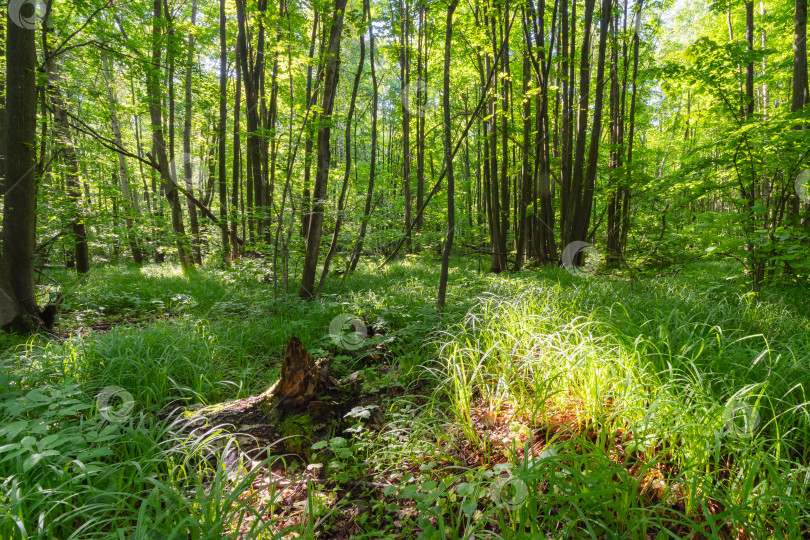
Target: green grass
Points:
(540, 405)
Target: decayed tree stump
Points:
(303, 406)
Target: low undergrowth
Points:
(540, 405)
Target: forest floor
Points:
(541, 405)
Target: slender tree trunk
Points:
(159, 144)
(574, 198)
(448, 161)
(271, 120)
(358, 247)
(504, 112)
(421, 98)
(66, 150)
(631, 129)
(252, 79)
(237, 162)
(348, 166)
(596, 131)
(123, 171)
(526, 176)
(800, 96)
(749, 68)
(187, 161)
(322, 175)
(405, 81)
(223, 127)
(308, 131)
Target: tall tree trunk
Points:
(358, 247)
(322, 174)
(800, 96)
(749, 68)
(348, 166)
(632, 128)
(504, 137)
(271, 119)
(583, 224)
(123, 171)
(17, 291)
(405, 82)
(187, 161)
(495, 234)
(223, 127)
(575, 196)
(237, 161)
(2, 103)
(253, 76)
(66, 150)
(526, 176)
(159, 144)
(311, 99)
(421, 98)
(448, 161)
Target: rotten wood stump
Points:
(303, 406)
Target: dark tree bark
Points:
(749, 68)
(800, 96)
(448, 160)
(253, 77)
(583, 223)
(504, 112)
(2, 101)
(574, 198)
(330, 83)
(18, 296)
(17, 291)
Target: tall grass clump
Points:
(656, 411)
